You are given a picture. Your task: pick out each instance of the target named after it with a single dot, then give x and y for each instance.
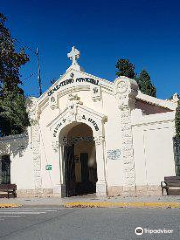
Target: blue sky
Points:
(147, 32)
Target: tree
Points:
(145, 85)
(13, 116)
(125, 68)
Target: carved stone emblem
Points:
(96, 93)
(32, 110)
(53, 102)
(122, 87)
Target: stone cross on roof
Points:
(74, 55)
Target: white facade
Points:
(127, 137)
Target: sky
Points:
(147, 32)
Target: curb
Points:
(122, 204)
(12, 205)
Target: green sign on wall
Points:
(48, 167)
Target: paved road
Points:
(56, 223)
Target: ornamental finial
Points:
(74, 55)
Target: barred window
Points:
(5, 170)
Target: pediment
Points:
(74, 78)
(78, 113)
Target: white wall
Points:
(114, 168)
(22, 172)
(153, 148)
(18, 147)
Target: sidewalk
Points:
(93, 201)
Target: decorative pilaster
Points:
(32, 109)
(127, 148)
(126, 91)
(101, 186)
(36, 158)
(59, 188)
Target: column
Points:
(101, 185)
(62, 171)
(59, 188)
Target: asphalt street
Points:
(53, 223)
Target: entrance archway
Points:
(79, 157)
(74, 115)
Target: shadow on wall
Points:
(14, 144)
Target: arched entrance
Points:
(77, 114)
(79, 159)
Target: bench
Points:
(170, 182)
(9, 188)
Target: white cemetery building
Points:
(90, 135)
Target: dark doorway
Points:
(79, 160)
(5, 170)
(84, 167)
(86, 186)
(70, 177)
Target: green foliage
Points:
(145, 85)
(177, 120)
(13, 116)
(125, 68)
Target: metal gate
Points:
(70, 177)
(176, 143)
